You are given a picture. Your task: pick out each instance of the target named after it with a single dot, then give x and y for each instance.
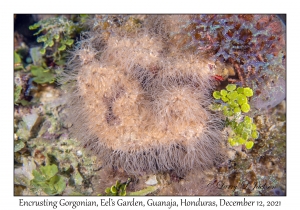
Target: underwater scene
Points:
(135, 105)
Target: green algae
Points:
(143, 192)
(48, 180)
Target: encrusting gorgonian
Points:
(139, 100)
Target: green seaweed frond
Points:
(42, 75)
(118, 189)
(58, 34)
(48, 180)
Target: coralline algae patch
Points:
(254, 45)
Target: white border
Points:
(8, 8)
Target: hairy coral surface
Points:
(140, 100)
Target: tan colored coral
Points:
(141, 105)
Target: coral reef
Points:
(140, 102)
(254, 45)
(140, 95)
